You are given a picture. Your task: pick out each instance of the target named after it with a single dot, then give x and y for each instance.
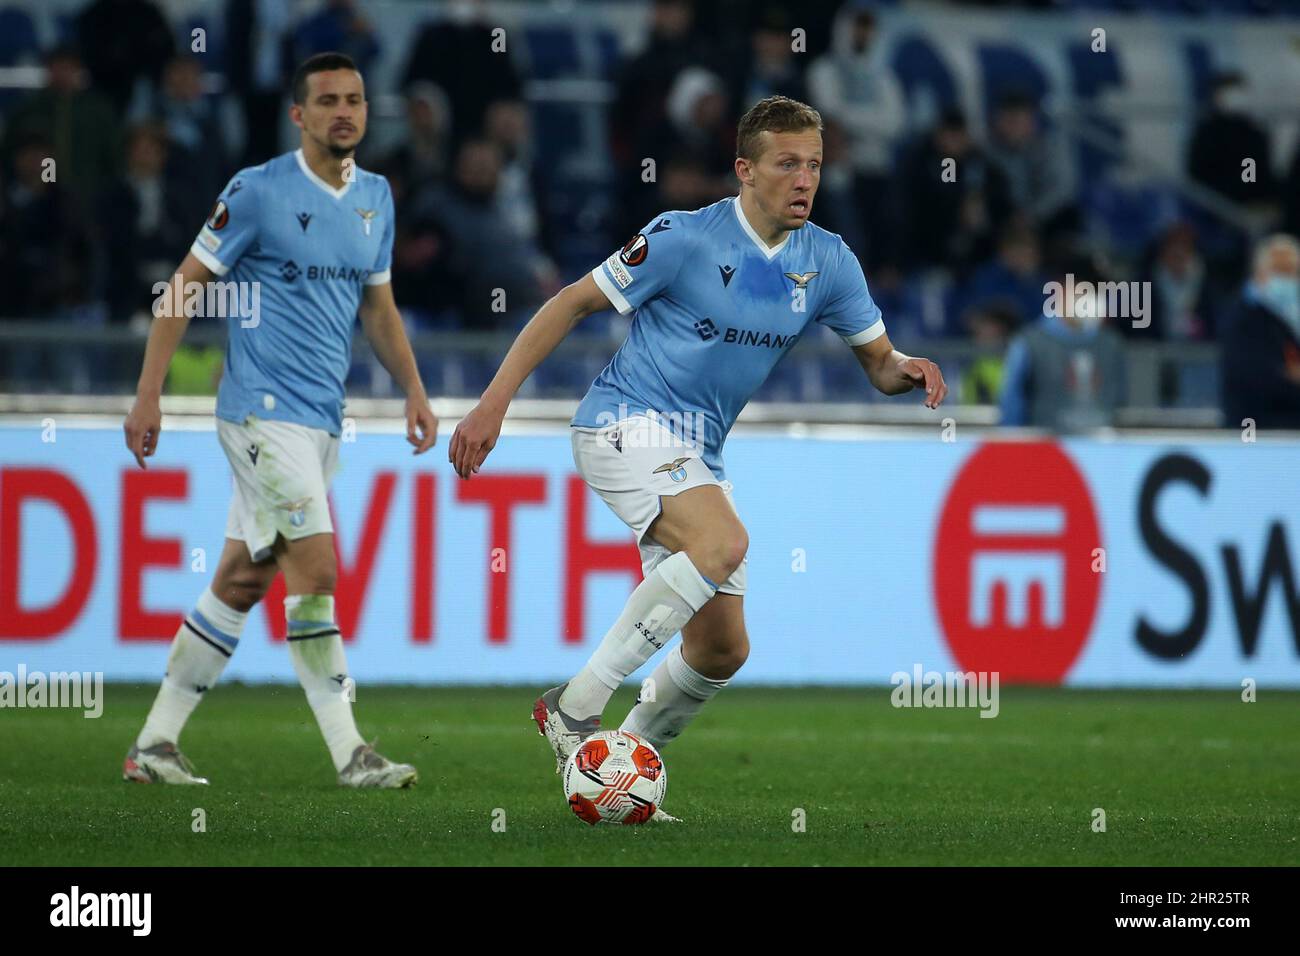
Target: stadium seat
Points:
(1128, 217)
(18, 39)
(552, 51)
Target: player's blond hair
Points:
(773, 114)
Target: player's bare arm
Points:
(476, 435)
(383, 327)
(893, 373)
(143, 424)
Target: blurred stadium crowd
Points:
(145, 133)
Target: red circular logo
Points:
(1013, 563)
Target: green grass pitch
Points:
(1187, 778)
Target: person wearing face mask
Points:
(1261, 349)
(1065, 372)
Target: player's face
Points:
(334, 115)
(785, 176)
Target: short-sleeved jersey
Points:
(715, 310)
(299, 253)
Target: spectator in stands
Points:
(423, 283)
(498, 274)
(771, 67)
(195, 370)
(698, 122)
(196, 141)
(1291, 196)
(507, 126)
(143, 219)
(1261, 348)
(1014, 279)
(421, 157)
(45, 269)
(1181, 302)
(124, 43)
(644, 81)
(854, 87)
(837, 208)
(338, 27)
(954, 199)
(1226, 136)
(683, 183)
(257, 69)
(78, 124)
(989, 327)
(1065, 372)
(457, 54)
(41, 234)
(694, 150)
(1037, 165)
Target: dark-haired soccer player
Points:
(313, 235)
(719, 294)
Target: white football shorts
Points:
(631, 465)
(282, 474)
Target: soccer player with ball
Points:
(314, 235)
(719, 295)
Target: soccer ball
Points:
(615, 777)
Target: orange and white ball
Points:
(615, 777)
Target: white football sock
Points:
(658, 608)
(679, 692)
(202, 646)
(316, 648)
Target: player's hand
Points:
(143, 425)
(421, 425)
(475, 436)
(923, 373)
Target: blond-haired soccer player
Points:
(720, 295)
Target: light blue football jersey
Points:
(306, 251)
(715, 310)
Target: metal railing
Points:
(820, 374)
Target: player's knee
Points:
(718, 556)
(722, 655)
(239, 591)
(249, 592)
(729, 550)
(319, 581)
(732, 657)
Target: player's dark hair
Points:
(773, 114)
(319, 63)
